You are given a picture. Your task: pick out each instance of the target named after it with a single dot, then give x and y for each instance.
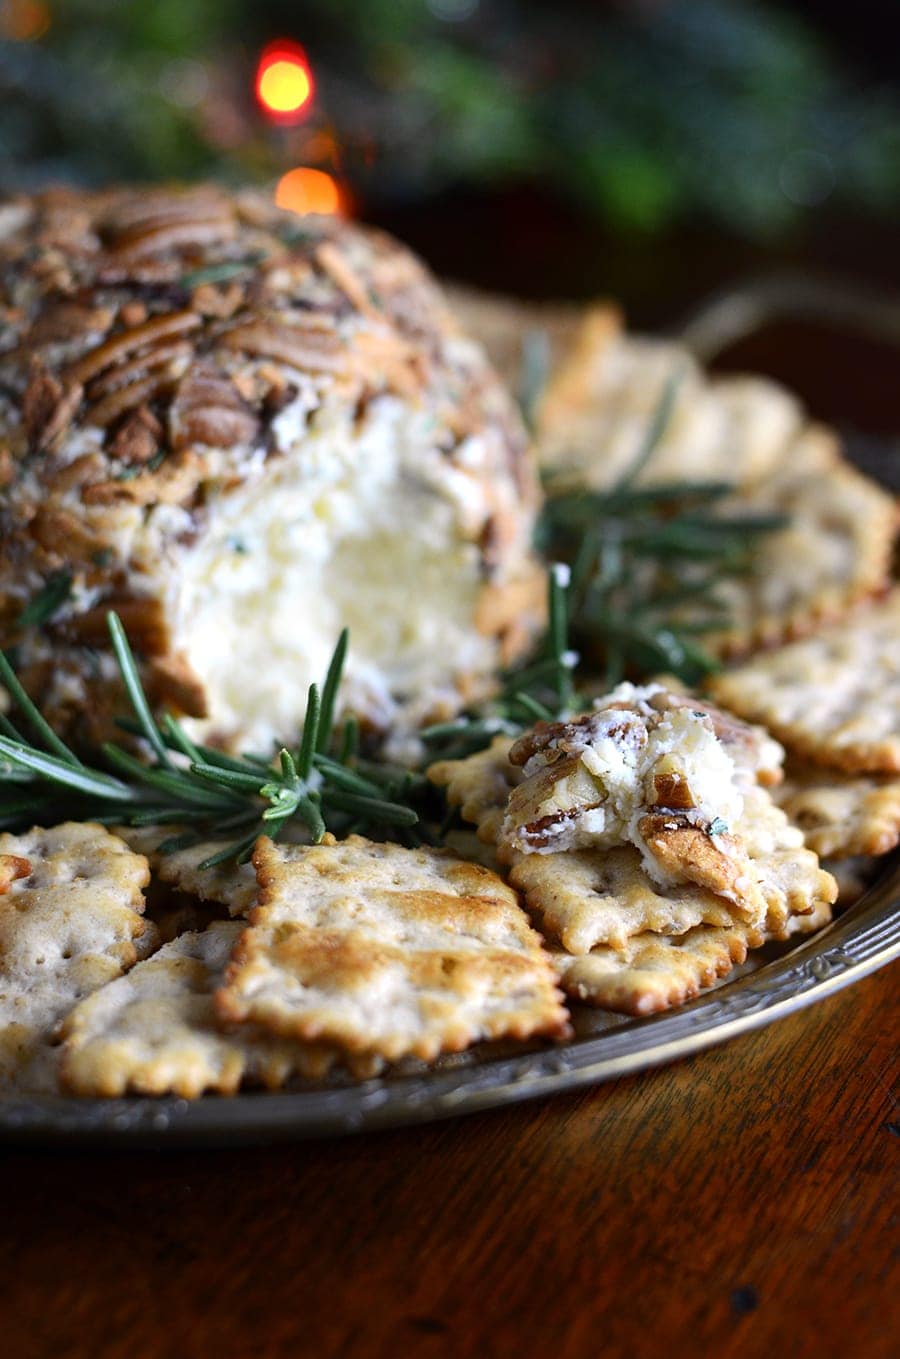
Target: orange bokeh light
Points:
(23, 20)
(284, 82)
(307, 190)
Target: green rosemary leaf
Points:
(531, 707)
(342, 777)
(174, 783)
(218, 273)
(373, 809)
(132, 681)
(349, 740)
(63, 773)
(310, 810)
(654, 432)
(228, 778)
(329, 691)
(33, 715)
(237, 852)
(311, 724)
(50, 597)
(6, 727)
(177, 738)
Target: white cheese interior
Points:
(358, 526)
(612, 787)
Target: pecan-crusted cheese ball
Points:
(244, 430)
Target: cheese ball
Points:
(244, 430)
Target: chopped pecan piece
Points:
(208, 409)
(175, 685)
(137, 440)
(129, 341)
(47, 406)
(12, 867)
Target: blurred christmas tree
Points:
(647, 113)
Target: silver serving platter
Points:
(605, 1047)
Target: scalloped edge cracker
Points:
(654, 971)
(587, 898)
(388, 950)
(835, 551)
(833, 698)
(605, 387)
(71, 920)
(842, 816)
(227, 884)
(155, 1032)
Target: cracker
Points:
(227, 884)
(590, 897)
(653, 972)
(504, 325)
(69, 924)
(841, 815)
(155, 1032)
(834, 551)
(480, 785)
(791, 879)
(746, 431)
(388, 950)
(603, 393)
(834, 697)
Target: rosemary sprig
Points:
(191, 785)
(648, 563)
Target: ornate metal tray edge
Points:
(864, 939)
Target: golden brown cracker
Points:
(842, 815)
(154, 1031)
(834, 697)
(70, 924)
(387, 950)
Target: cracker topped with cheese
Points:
(643, 904)
(645, 769)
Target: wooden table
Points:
(741, 1203)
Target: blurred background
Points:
(654, 150)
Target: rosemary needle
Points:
(183, 783)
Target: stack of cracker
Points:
(603, 385)
(825, 576)
(833, 699)
(610, 826)
(341, 955)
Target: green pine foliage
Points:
(719, 110)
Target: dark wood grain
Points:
(741, 1203)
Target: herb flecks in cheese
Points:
(645, 768)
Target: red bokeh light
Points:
(284, 82)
